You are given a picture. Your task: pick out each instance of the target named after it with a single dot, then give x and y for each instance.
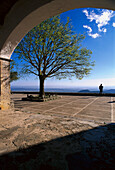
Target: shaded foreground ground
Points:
(73, 132)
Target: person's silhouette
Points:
(101, 88)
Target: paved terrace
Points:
(69, 133)
(89, 108)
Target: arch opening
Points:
(94, 37)
(16, 23)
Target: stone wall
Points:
(5, 84)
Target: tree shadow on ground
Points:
(92, 149)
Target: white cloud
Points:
(104, 30)
(113, 24)
(102, 19)
(96, 35)
(86, 12)
(89, 28)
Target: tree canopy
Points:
(53, 49)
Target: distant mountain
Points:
(84, 91)
(105, 91)
(110, 91)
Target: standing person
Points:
(101, 88)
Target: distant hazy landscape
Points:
(64, 89)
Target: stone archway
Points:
(21, 18)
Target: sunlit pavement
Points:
(69, 133)
(87, 108)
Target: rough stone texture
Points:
(5, 84)
(47, 140)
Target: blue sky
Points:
(98, 25)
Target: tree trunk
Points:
(41, 87)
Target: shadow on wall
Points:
(93, 149)
(5, 78)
